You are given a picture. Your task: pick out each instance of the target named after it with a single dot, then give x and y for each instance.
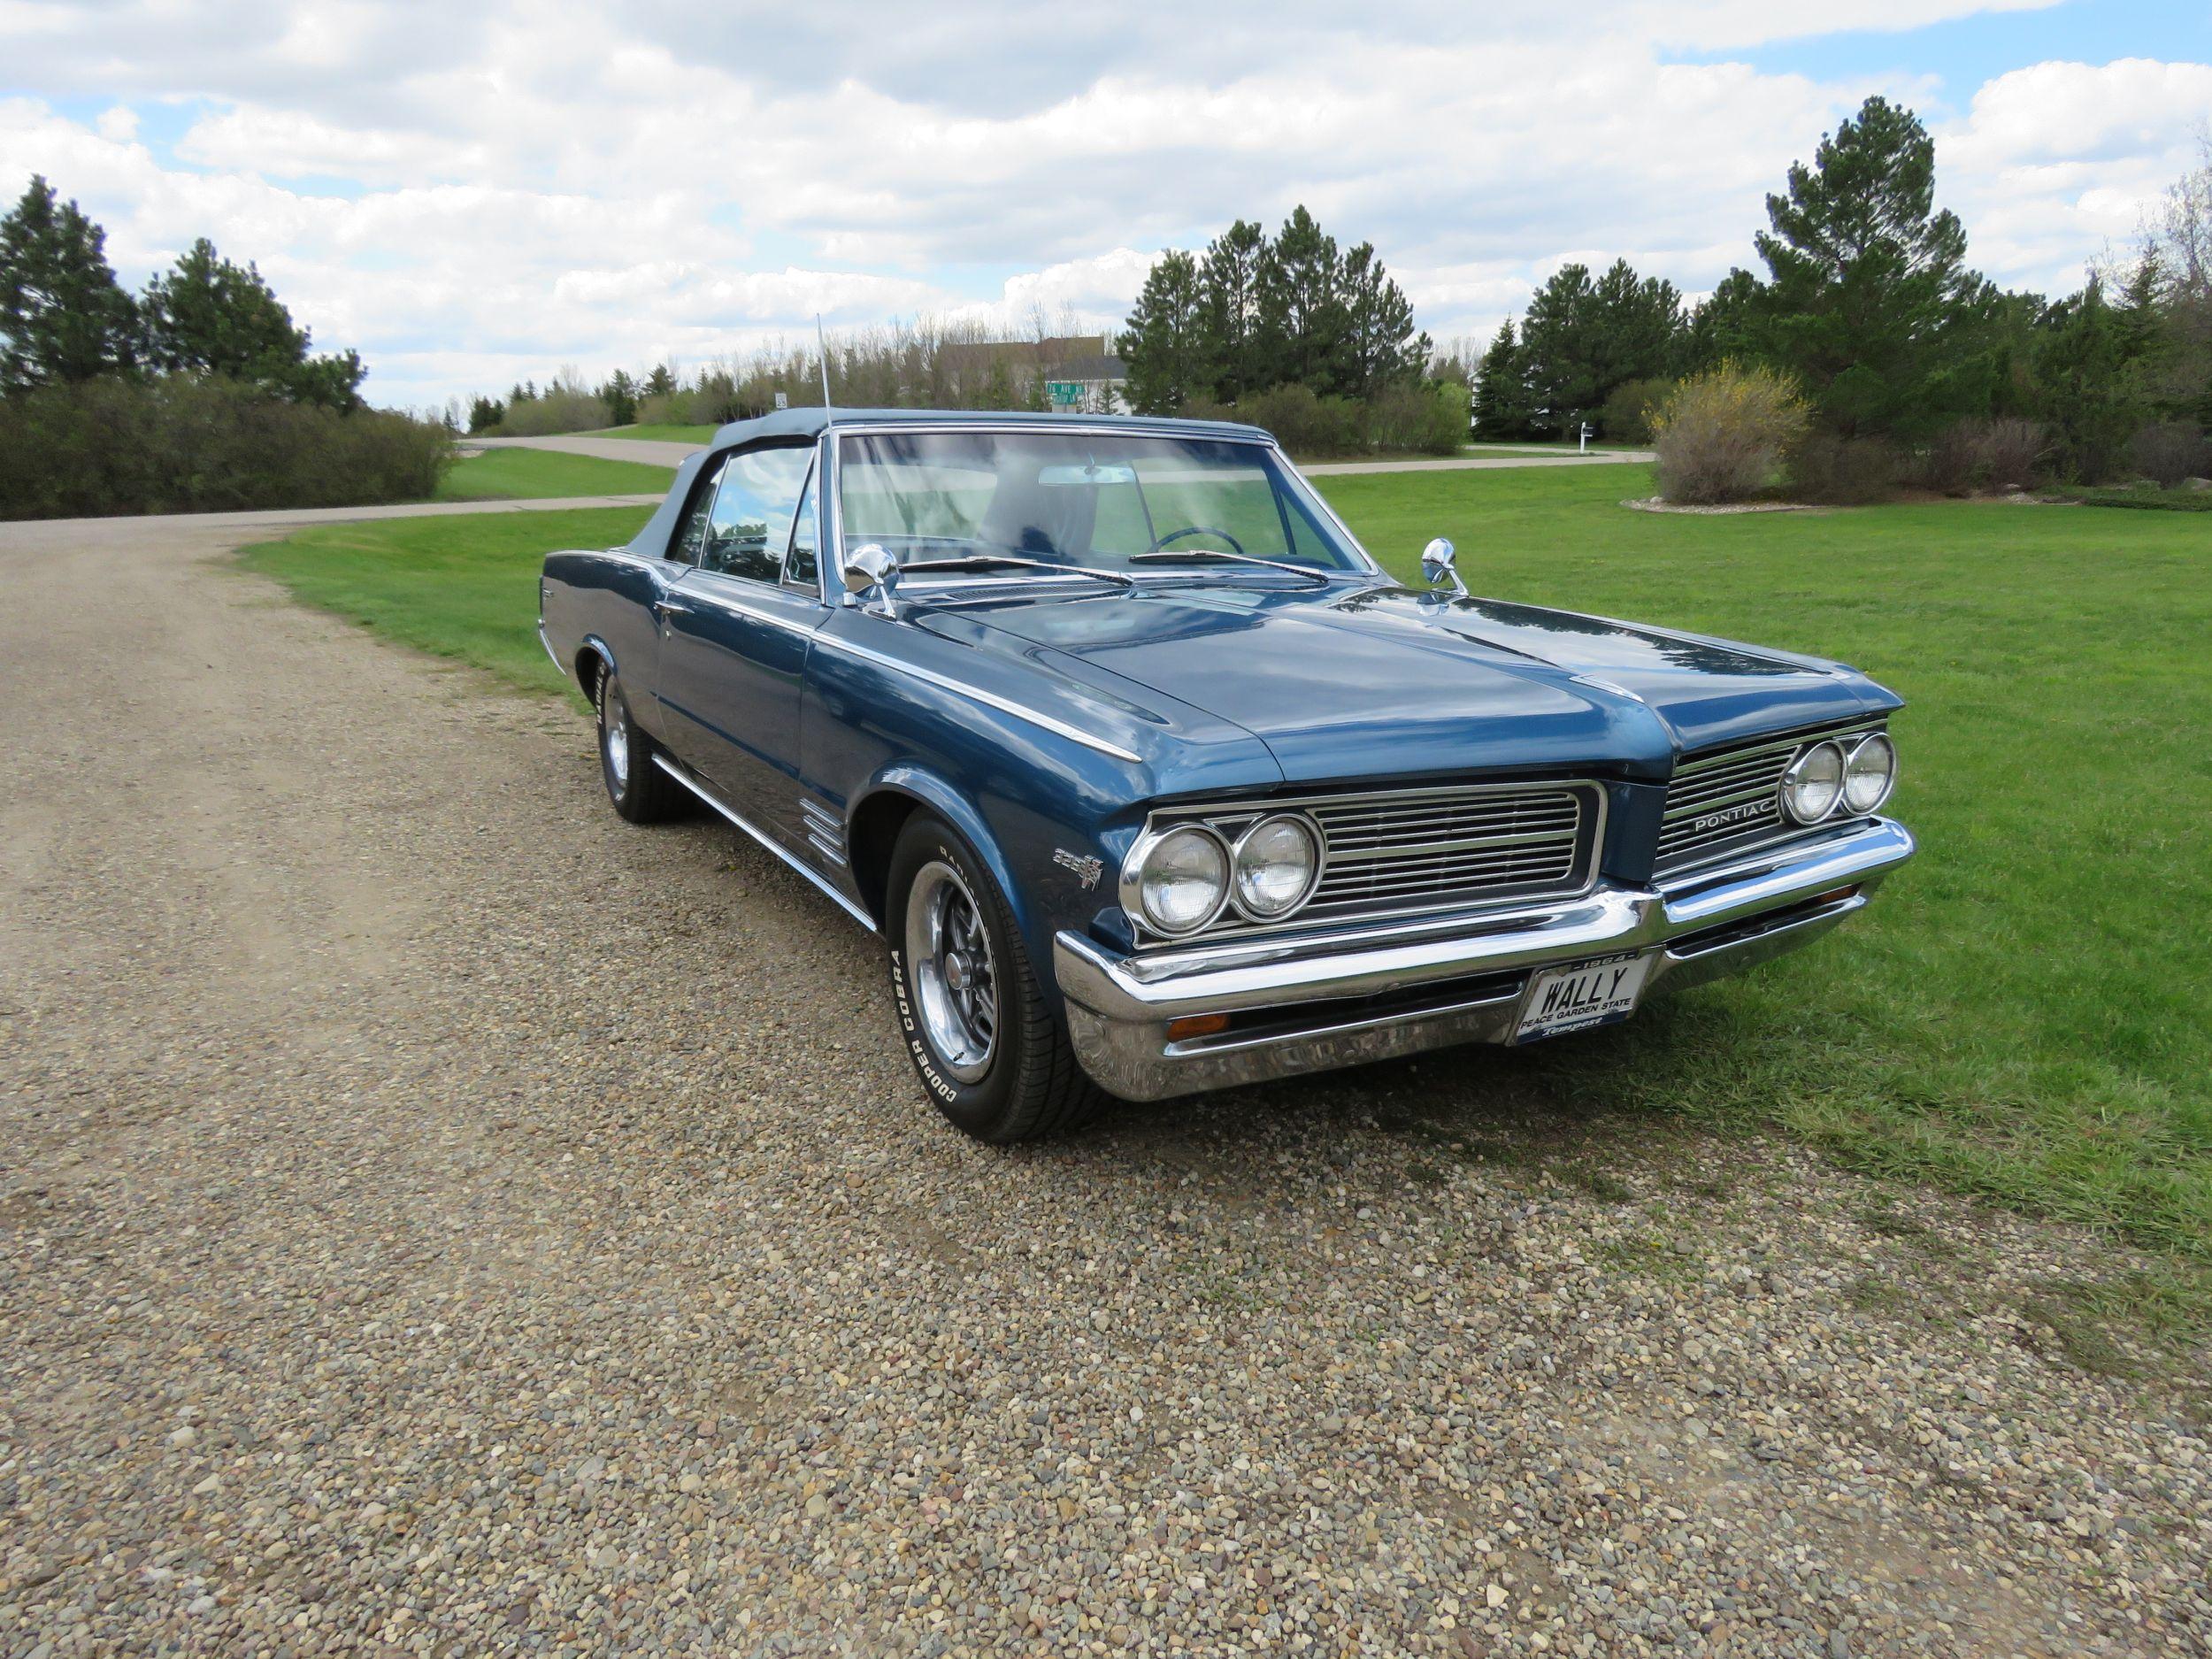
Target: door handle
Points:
(664, 608)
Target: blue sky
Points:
(472, 195)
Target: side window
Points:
(750, 524)
(802, 568)
(691, 535)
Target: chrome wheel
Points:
(948, 953)
(614, 734)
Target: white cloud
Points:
(470, 194)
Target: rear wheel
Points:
(981, 1036)
(641, 791)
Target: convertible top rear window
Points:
(1099, 499)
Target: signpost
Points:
(1064, 393)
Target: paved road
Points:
(436, 1217)
(673, 454)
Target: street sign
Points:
(1065, 391)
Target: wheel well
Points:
(591, 662)
(875, 832)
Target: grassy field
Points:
(659, 434)
(2023, 1012)
(547, 475)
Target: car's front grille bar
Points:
(1729, 799)
(1409, 852)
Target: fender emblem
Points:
(1086, 870)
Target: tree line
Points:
(1313, 341)
(197, 392)
(1906, 363)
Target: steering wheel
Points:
(1197, 529)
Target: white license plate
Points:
(1580, 995)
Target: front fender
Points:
(1017, 845)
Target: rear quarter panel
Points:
(603, 600)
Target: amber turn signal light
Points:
(1196, 1025)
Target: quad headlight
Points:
(1814, 783)
(1276, 860)
(1839, 778)
(1869, 774)
(1180, 879)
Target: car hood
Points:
(1383, 681)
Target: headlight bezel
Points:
(1786, 790)
(1139, 863)
(1844, 805)
(1309, 833)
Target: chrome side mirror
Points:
(1437, 566)
(870, 569)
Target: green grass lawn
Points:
(660, 434)
(2022, 1011)
(547, 475)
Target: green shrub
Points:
(1626, 417)
(1721, 435)
(2169, 452)
(561, 407)
(1418, 419)
(1307, 424)
(1844, 472)
(184, 443)
(1983, 455)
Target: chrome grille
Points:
(1409, 851)
(1730, 801)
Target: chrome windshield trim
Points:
(1004, 706)
(1299, 485)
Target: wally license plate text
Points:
(1580, 995)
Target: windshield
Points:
(1101, 500)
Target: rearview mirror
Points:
(1437, 565)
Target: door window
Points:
(749, 527)
(691, 535)
(801, 568)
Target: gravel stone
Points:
(436, 1218)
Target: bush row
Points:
(1419, 420)
(182, 443)
(1734, 434)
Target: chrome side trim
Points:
(682, 775)
(823, 831)
(731, 602)
(548, 649)
(1004, 706)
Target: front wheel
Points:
(981, 1036)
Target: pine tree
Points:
(661, 382)
(619, 394)
(2083, 392)
(1503, 405)
(1163, 346)
(1381, 346)
(63, 315)
(1230, 273)
(1869, 303)
(207, 316)
(1302, 313)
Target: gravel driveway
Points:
(436, 1218)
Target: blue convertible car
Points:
(1153, 782)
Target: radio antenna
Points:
(822, 344)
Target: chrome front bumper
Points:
(1313, 1003)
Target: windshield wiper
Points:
(1235, 558)
(1007, 561)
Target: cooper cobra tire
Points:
(641, 791)
(975, 1022)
